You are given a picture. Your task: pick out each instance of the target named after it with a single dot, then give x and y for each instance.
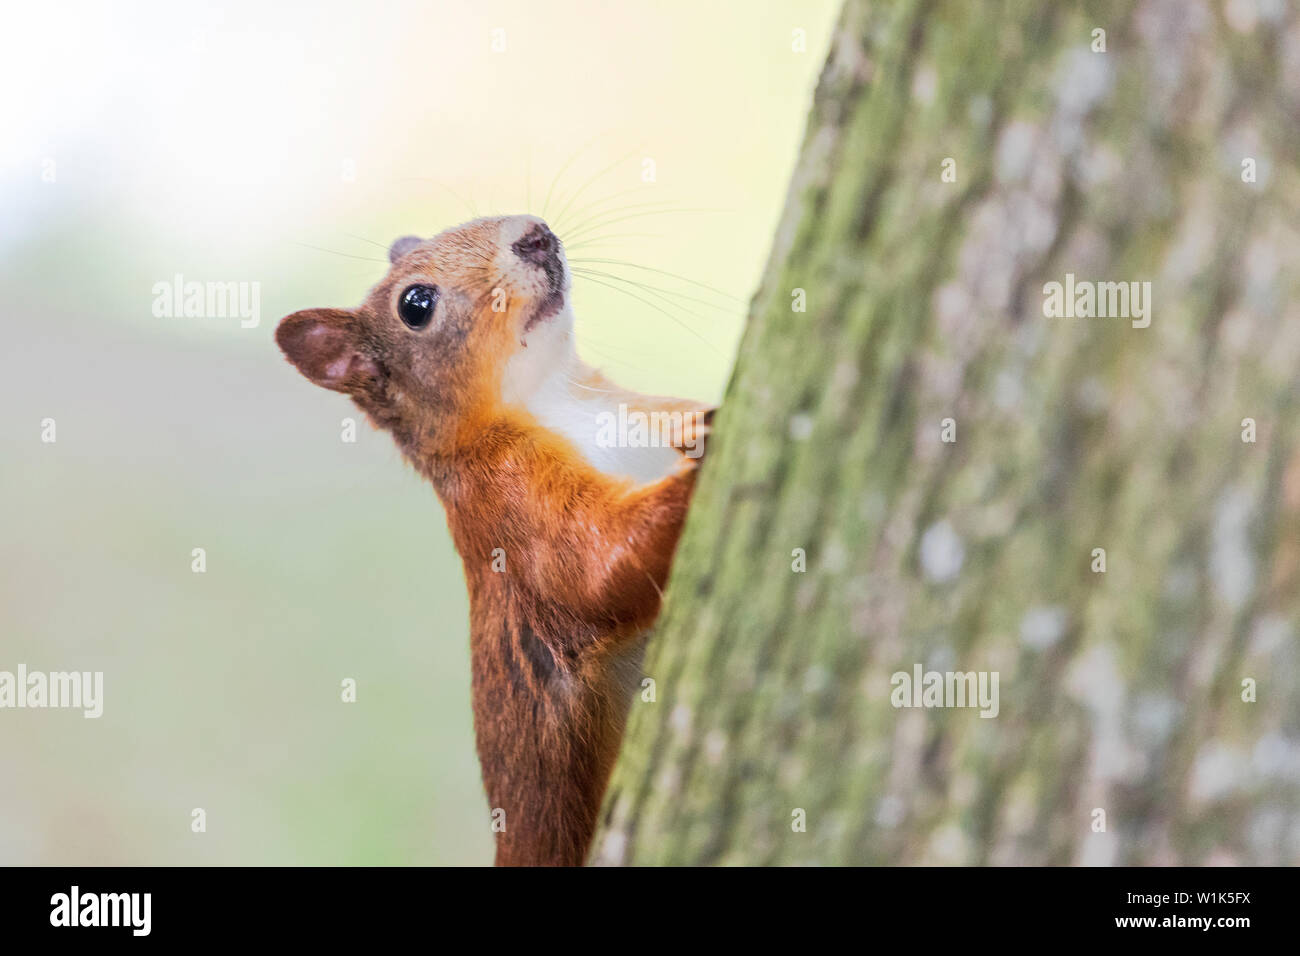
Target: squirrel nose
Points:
(537, 244)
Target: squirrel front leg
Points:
(687, 421)
(608, 562)
(590, 547)
(643, 539)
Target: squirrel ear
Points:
(402, 246)
(325, 345)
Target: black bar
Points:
(927, 905)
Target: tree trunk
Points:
(1121, 690)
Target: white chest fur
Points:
(584, 415)
(547, 378)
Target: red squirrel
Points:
(465, 353)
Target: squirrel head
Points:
(471, 319)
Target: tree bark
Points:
(1120, 690)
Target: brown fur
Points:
(556, 639)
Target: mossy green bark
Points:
(1121, 690)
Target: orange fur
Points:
(556, 637)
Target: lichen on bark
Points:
(1120, 690)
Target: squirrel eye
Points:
(417, 305)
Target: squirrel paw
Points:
(690, 439)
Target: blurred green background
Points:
(236, 142)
